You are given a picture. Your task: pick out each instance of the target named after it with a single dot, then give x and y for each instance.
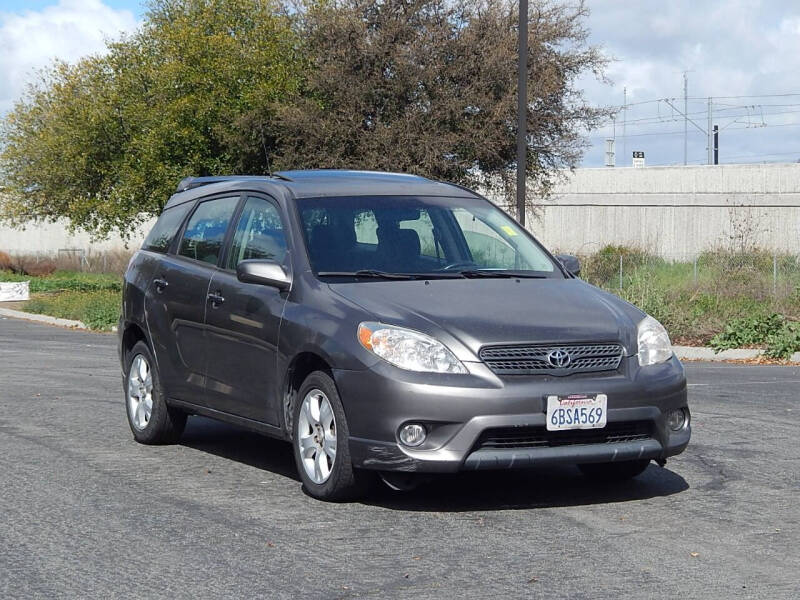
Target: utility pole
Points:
(685, 117)
(710, 135)
(522, 111)
(716, 145)
(624, 122)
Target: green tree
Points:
(430, 87)
(242, 86)
(192, 92)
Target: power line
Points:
(664, 119)
(654, 100)
(731, 126)
(731, 117)
(603, 136)
(755, 96)
(644, 121)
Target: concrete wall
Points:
(669, 210)
(674, 210)
(50, 238)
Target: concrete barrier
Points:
(674, 210)
(668, 210)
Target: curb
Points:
(701, 353)
(18, 314)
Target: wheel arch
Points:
(301, 366)
(132, 334)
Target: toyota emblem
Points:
(560, 359)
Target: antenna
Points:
(685, 117)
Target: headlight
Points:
(654, 344)
(408, 349)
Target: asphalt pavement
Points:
(85, 512)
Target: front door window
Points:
(259, 234)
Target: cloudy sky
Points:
(745, 54)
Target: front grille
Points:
(533, 359)
(539, 437)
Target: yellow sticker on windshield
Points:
(508, 229)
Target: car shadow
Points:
(243, 446)
(544, 487)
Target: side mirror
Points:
(263, 272)
(571, 263)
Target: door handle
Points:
(160, 284)
(216, 299)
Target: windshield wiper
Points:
(499, 273)
(373, 273)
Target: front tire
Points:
(613, 472)
(149, 417)
(320, 439)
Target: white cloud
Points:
(66, 30)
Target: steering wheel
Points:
(454, 265)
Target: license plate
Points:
(577, 411)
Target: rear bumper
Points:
(458, 411)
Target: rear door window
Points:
(163, 232)
(205, 231)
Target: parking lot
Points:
(87, 512)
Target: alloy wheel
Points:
(140, 392)
(316, 436)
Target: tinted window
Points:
(488, 246)
(423, 227)
(416, 235)
(206, 229)
(259, 234)
(163, 232)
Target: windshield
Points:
(383, 235)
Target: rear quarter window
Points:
(165, 229)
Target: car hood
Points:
(466, 314)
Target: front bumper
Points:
(458, 409)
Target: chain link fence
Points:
(754, 274)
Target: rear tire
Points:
(320, 439)
(149, 417)
(616, 471)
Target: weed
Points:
(97, 309)
(67, 280)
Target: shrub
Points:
(750, 331)
(37, 269)
(68, 280)
(780, 336)
(6, 264)
(785, 342)
(602, 268)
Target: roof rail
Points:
(189, 183)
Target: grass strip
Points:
(98, 309)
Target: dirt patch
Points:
(13, 305)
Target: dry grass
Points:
(114, 262)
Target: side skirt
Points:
(257, 426)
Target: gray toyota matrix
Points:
(388, 324)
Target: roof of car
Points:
(320, 182)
